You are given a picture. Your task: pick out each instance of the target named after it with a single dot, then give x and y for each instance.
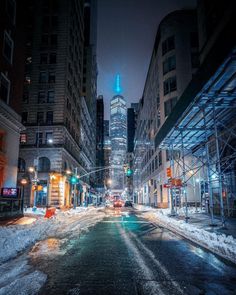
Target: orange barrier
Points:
(50, 212)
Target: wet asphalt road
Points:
(126, 254)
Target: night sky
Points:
(125, 38)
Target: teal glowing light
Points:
(118, 88)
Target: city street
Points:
(125, 254)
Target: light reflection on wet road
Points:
(125, 254)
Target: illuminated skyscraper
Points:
(118, 134)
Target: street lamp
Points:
(23, 183)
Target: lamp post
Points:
(23, 183)
(35, 182)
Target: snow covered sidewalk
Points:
(197, 231)
(18, 236)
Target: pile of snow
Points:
(223, 245)
(16, 238)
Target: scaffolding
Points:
(202, 145)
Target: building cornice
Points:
(10, 118)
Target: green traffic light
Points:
(74, 180)
(129, 172)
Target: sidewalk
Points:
(221, 241)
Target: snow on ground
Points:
(223, 245)
(15, 238)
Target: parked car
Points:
(128, 204)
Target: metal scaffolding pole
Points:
(171, 188)
(208, 170)
(184, 184)
(218, 166)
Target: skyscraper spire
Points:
(118, 89)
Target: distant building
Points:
(118, 135)
(11, 93)
(100, 142)
(107, 153)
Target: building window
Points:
(41, 97)
(11, 10)
(43, 58)
(21, 165)
(44, 164)
(169, 105)
(169, 64)
(42, 77)
(24, 117)
(49, 137)
(45, 39)
(54, 40)
(168, 45)
(8, 47)
(40, 118)
(195, 59)
(51, 95)
(25, 96)
(170, 85)
(51, 77)
(4, 88)
(39, 138)
(53, 58)
(49, 118)
(23, 138)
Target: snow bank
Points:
(15, 238)
(223, 245)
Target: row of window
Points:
(40, 138)
(44, 165)
(47, 77)
(48, 58)
(42, 118)
(49, 40)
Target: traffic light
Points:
(129, 172)
(74, 179)
(168, 172)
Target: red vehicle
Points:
(117, 203)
